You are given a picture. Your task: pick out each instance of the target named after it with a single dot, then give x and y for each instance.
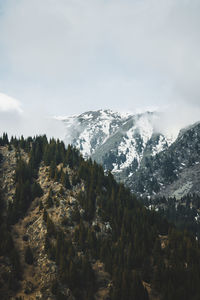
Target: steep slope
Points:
(148, 162)
(54, 211)
(174, 172)
(91, 129)
(118, 141)
(78, 234)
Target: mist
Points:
(35, 124)
(176, 117)
(74, 56)
(16, 124)
(16, 121)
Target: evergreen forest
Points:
(146, 255)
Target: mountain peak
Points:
(117, 140)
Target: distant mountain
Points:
(174, 172)
(131, 146)
(120, 142)
(92, 129)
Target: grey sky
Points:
(62, 57)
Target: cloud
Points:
(174, 118)
(15, 121)
(10, 114)
(8, 104)
(118, 54)
(39, 124)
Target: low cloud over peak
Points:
(68, 57)
(122, 54)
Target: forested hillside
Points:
(70, 231)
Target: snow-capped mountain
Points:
(174, 172)
(90, 130)
(118, 141)
(131, 146)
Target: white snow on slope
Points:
(128, 146)
(160, 146)
(91, 130)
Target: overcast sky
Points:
(61, 57)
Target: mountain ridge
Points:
(92, 131)
(129, 145)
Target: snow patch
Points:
(92, 129)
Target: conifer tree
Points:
(65, 180)
(29, 256)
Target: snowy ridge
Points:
(146, 160)
(91, 129)
(129, 144)
(117, 140)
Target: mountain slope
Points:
(118, 141)
(174, 172)
(68, 231)
(146, 160)
(90, 130)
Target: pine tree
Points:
(52, 169)
(29, 256)
(65, 180)
(45, 215)
(41, 206)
